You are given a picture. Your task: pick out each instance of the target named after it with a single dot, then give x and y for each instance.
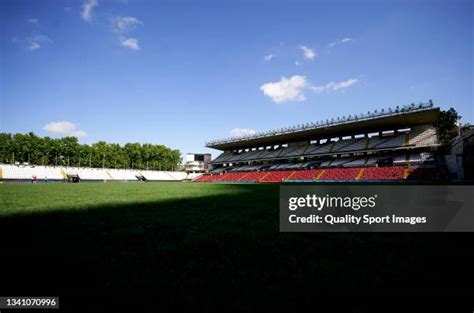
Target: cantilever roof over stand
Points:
(398, 117)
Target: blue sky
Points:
(183, 73)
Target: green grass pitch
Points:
(190, 240)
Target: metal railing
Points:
(409, 108)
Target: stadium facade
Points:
(197, 162)
(391, 144)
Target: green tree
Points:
(447, 124)
(67, 150)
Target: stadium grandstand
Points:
(400, 143)
(27, 172)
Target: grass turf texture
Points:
(213, 242)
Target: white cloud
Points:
(340, 41)
(33, 45)
(286, 89)
(130, 43)
(268, 57)
(79, 134)
(308, 53)
(334, 86)
(238, 132)
(35, 42)
(88, 9)
(125, 23)
(64, 128)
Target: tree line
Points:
(67, 151)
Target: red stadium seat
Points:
(275, 176)
(340, 174)
(383, 173)
(253, 176)
(304, 175)
(350, 173)
(232, 176)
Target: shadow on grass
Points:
(224, 248)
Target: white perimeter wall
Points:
(93, 174)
